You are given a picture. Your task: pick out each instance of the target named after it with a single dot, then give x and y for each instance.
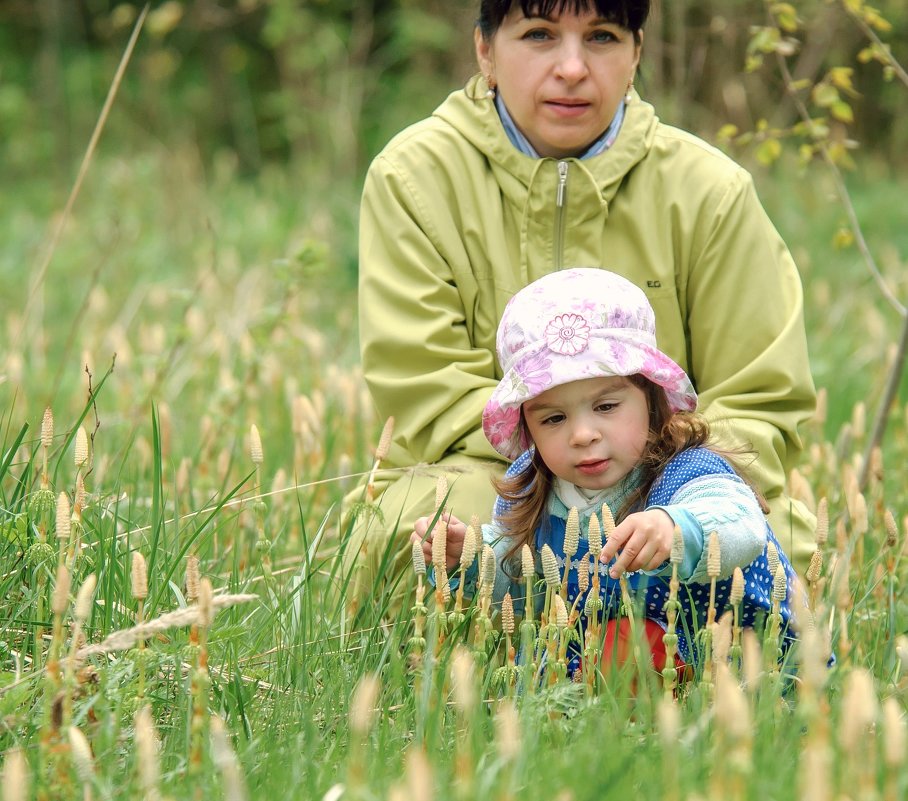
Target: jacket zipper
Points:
(560, 197)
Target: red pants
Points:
(618, 648)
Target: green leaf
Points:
(842, 111)
(768, 151)
(825, 95)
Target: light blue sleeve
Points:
(720, 503)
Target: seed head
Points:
(859, 708)
(419, 559)
(507, 614)
(441, 491)
(892, 532)
(147, 748)
(440, 544)
(468, 553)
(60, 599)
(822, 403)
(583, 575)
(731, 708)
(736, 595)
(594, 535)
(83, 761)
(419, 775)
(15, 776)
(677, 554)
(64, 517)
(84, 597)
(463, 681)
(859, 420)
(608, 522)
(815, 567)
(713, 556)
(139, 577)
(779, 585)
(859, 521)
(192, 578)
(255, 445)
(894, 734)
(443, 584)
(722, 637)
(487, 576)
(550, 567)
(800, 489)
(384, 441)
(47, 429)
(507, 731)
(822, 529)
(80, 454)
(561, 612)
(772, 557)
(572, 532)
(362, 706)
(206, 603)
(527, 563)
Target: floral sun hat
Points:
(569, 325)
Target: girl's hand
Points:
(457, 529)
(643, 541)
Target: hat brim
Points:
(546, 369)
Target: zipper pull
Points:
(562, 183)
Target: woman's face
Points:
(561, 77)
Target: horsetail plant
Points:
(262, 543)
(417, 642)
(506, 674)
(672, 607)
(571, 543)
(471, 543)
(735, 598)
(81, 612)
(381, 453)
(592, 607)
(483, 628)
(199, 681)
(713, 565)
(40, 554)
(528, 626)
(82, 760)
(147, 763)
(139, 576)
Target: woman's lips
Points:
(565, 107)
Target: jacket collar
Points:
(476, 118)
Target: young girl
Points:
(594, 414)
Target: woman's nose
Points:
(571, 64)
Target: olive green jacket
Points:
(455, 220)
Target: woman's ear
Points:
(483, 54)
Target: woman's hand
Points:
(643, 541)
(457, 529)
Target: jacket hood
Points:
(475, 117)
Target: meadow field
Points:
(183, 424)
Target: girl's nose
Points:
(583, 434)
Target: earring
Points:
(490, 92)
(629, 94)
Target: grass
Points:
(226, 303)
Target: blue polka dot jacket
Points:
(701, 492)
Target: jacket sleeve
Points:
(418, 359)
(747, 341)
(726, 505)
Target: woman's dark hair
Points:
(629, 14)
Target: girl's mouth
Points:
(594, 467)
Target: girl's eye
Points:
(552, 419)
(606, 407)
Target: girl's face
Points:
(561, 77)
(590, 432)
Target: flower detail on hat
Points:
(567, 334)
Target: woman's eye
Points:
(603, 36)
(536, 35)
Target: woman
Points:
(549, 159)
